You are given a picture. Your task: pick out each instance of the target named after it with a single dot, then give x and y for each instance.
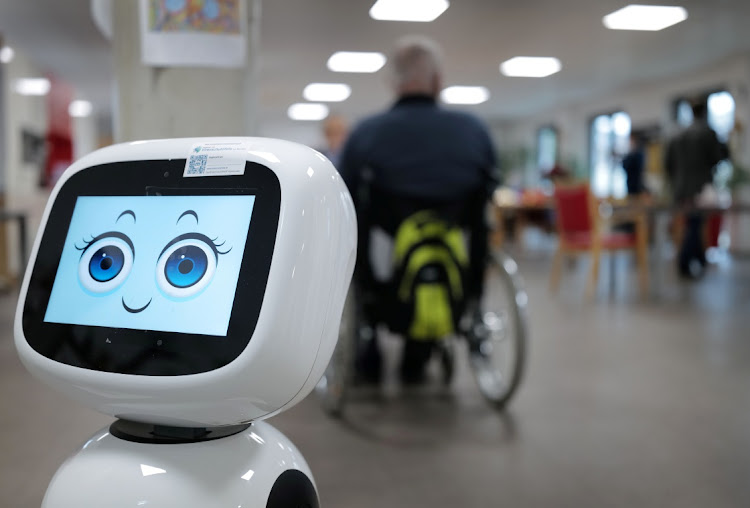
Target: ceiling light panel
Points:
(645, 17)
(464, 95)
(356, 61)
(408, 10)
(80, 108)
(531, 66)
(32, 86)
(306, 111)
(327, 92)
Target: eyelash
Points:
(217, 245)
(86, 243)
(108, 234)
(197, 236)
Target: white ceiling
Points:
(298, 36)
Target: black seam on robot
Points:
(293, 489)
(147, 433)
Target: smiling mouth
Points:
(135, 311)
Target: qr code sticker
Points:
(197, 164)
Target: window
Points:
(609, 140)
(546, 149)
(684, 113)
(721, 114)
(720, 106)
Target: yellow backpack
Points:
(430, 264)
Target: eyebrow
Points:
(188, 212)
(126, 212)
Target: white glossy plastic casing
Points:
(238, 470)
(298, 324)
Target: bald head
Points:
(416, 67)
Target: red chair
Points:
(581, 231)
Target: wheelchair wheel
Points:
(497, 331)
(338, 375)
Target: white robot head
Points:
(189, 282)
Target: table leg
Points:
(521, 222)
(661, 233)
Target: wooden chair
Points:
(581, 230)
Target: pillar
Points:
(162, 102)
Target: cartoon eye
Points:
(186, 266)
(105, 264)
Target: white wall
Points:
(306, 133)
(22, 191)
(22, 112)
(21, 179)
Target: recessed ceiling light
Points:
(408, 10)
(464, 95)
(307, 111)
(32, 86)
(327, 92)
(645, 17)
(80, 108)
(531, 66)
(356, 61)
(6, 54)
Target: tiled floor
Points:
(626, 403)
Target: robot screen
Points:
(164, 263)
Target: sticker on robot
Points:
(216, 159)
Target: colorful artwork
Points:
(206, 16)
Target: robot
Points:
(191, 288)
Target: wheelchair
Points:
(491, 322)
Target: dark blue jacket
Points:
(421, 150)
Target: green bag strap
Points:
(424, 225)
(408, 234)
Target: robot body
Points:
(257, 467)
(190, 288)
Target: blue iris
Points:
(186, 266)
(106, 263)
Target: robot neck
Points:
(138, 432)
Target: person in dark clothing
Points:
(633, 163)
(421, 153)
(690, 163)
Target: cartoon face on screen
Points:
(167, 263)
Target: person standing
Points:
(690, 164)
(634, 164)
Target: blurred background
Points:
(631, 397)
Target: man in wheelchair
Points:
(420, 176)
